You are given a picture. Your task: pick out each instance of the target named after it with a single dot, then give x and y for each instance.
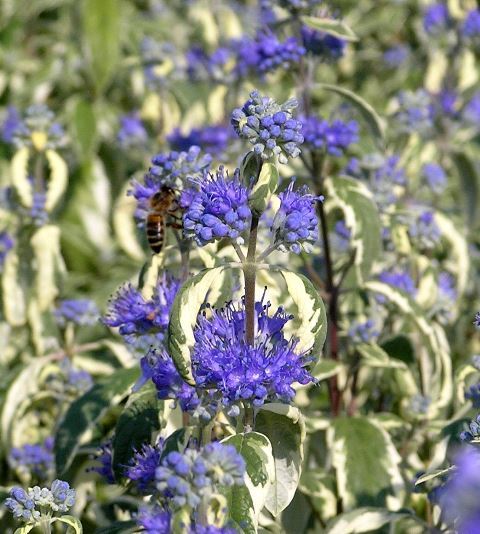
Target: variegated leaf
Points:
(20, 180)
(74, 525)
(183, 318)
(14, 299)
(364, 520)
(335, 27)
(361, 218)
(124, 225)
(58, 179)
(375, 356)
(264, 187)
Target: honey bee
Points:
(163, 205)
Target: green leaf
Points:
(177, 441)
(320, 488)
(326, 368)
(183, 318)
(436, 350)
(84, 126)
(101, 36)
(49, 264)
(361, 217)
(83, 414)
(74, 525)
(135, 426)
(14, 298)
(20, 181)
(310, 315)
(25, 529)
(337, 28)
(119, 527)
(374, 122)
(366, 462)
(57, 181)
(470, 185)
(264, 187)
(246, 502)
(284, 427)
(375, 356)
(365, 519)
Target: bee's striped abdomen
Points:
(155, 231)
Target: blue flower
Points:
(473, 431)
(39, 119)
(219, 209)
(436, 19)
(295, 225)
(132, 133)
(415, 112)
(63, 496)
(363, 332)
(105, 458)
(269, 127)
(333, 137)
(476, 321)
(396, 55)
(446, 287)
(424, 230)
(141, 470)
(22, 505)
(6, 244)
(471, 24)
(34, 459)
(224, 362)
(447, 103)
(154, 520)
(459, 498)
(38, 212)
(273, 54)
(77, 311)
(473, 394)
(213, 139)
(471, 113)
(340, 238)
(135, 316)
(11, 124)
(435, 177)
(160, 60)
(324, 45)
(215, 66)
(399, 279)
(419, 404)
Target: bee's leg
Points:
(175, 225)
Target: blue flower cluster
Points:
(436, 19)
(271, 53)
(215, 66)
(334, 137)
(81, 312)
(399, 279)
(269, 127)
(11, 123)
(219, 209)
(69, 381)
(471, 26)
(38, 213)
(143, 465)
(160, 60)
(154, 520)
(212, 139)
(295, 225)
(104, 457)
(363, 332)
(135, 316)
(36, 460)
(473, 394)
(473, 430)
(341, 235)
(424, 231)
(415, 113)
(185, 478)
(171, 169)
(434, 177)
(476, 321)
(471, 112)
(396, 56)
(31, 505)
(132, 132)
(223, 361)
(38, 129)
(459, 498)
(326, 46)
(6, 244)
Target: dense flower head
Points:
(400, 279)
(132, 132)
(81, 312)
(154, 520)
(295, 225)
(69, 380)
(39, 129)
(435, 177)
(213, 139)
(396, 55)
(424, 231)
(11, 123)
(104, 457)
(185, 478)
(473, 430)
(33, 459)
(271, 53)
(334, 137)
(363, 331)
(473, 394)
(460, 496)
(269, 127)
(326, 46)
(6, 244)
(415, 113)
(36, 502)
(436, 18)
(134, 315)
(471, 25)
(219, 209)
(216, 66)
(141, 470)
(264, 371)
